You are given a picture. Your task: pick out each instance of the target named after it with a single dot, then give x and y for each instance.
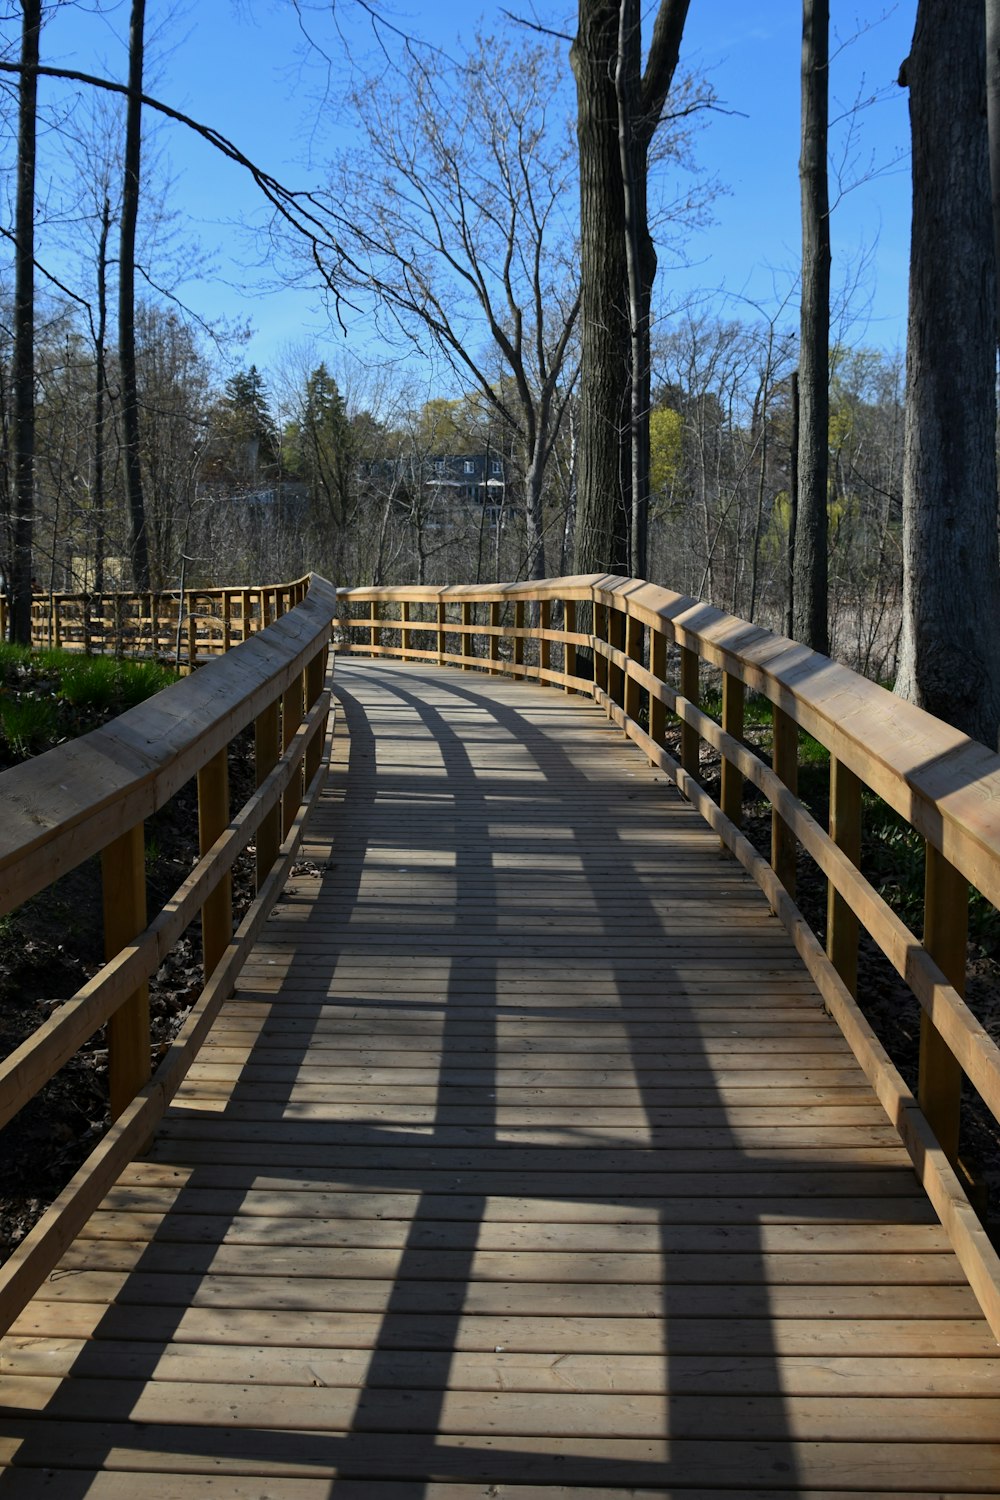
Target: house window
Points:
(470, 467)
(496, 467)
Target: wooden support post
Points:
(600, 635)
(442, 615)
(227, 619)
(314, 676)
(785, 764)
(374, 633)
(731, 800)
(658, 667)
(634, 644)
(616, 638)
(468, 642)
(569, 650)
(267, 743)
(518, 627)
(404, 635)
(845, 830)
(213, 820)
(691, 690)
(246, 610)
(123, 878)
(946, 932)
(291, 718)
(544, 646)
(495, 635)
(192, 636)
(265, 609)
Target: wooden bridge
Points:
(529, 1146)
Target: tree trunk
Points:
(603, 483)
(138, 541)
(24, 330)
(100, 395)
(993, 117)
(951, 582)
(810, 623)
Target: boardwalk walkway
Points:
(525, 1160)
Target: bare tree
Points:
(23, 413)
(951, 589)
(619, 107)
(460, 208)
(139, 543)
(809, 618)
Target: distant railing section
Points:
(90, 797)
(645, 655)
(183, 624)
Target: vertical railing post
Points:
(616, 674)
(246, 611)
(227, 619)
(374, 632)
(267, 741)
(544, 646)
(731, 799)
(123, 880)
(845, 830)
(442, 612)
(495, 635)
(600, 636)
(467, 640)
(569, 649)
(213, 820)
(634, 644)
(404, 634)
(785, 764)
(691, 690)
(658, 667)
(192, 635)
(314, 678)
(946, 929)
(518, 637)
(291, 718)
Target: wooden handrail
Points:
(945, 785)
(91, 797)
(211, 620)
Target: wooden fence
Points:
(90, 798)
(182, 624)
(644, 653)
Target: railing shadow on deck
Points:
(647, 650)
(378, 1407)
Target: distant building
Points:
(453, 478)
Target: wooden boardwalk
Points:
(524, 1161)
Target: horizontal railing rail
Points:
(90, 798)
(184, 624)
(643, 653)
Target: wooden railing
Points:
(647, 653)
(184, 624)
(90, 797)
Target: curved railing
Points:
(647, 651)
(90, 797)
(184, 624)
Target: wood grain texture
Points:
(524, 1160)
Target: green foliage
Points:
(49, 696)
(13, 660)
(28, 725)
(666, 443)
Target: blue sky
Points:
(241, 67)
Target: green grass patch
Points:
(48, 696)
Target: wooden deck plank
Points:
(525, 1161)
